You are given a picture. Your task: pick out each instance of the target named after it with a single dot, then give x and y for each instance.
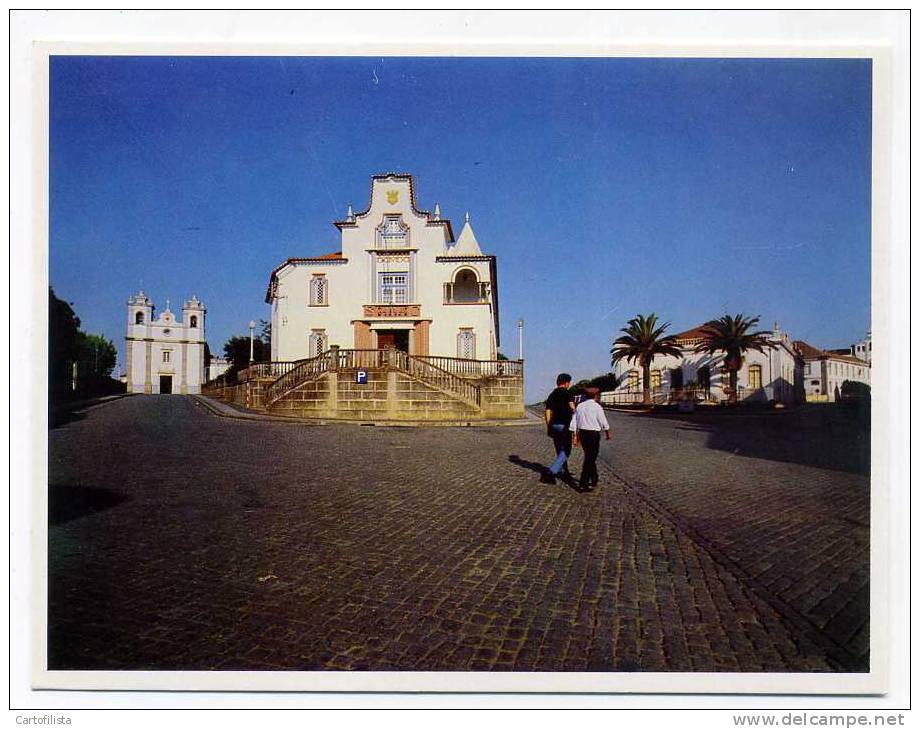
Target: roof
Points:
(467, 245)
(325, 258)
(691, 334)
(415, 209)
(810, 352)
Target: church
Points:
(164, 355)
(400, 279)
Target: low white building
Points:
(164, 355)
(773, 375)
(399, 279)
(217, 367)
(827, 370)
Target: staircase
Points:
(307, 387)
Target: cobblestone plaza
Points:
(179, 539)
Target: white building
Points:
(773, 375)
(164, 355)
(827, 370)
(217, 367)
(399, 279)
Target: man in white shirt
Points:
(588, 422)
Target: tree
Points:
(733, 335)
(96, 359)
(64, 339)
(642, 340)
(501, 357)
(236, 350)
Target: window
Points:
(703, 376)
(677, 379)
(655, 383)
(754, 380)
(317, 342)
(632, 380)
(392, 232)
(465, 288)
(166, 356)
(139, 317)
(319, 291)
(466, 344)
(193, 322)
(393, 288)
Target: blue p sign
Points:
(361, 376)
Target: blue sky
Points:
(606, 187)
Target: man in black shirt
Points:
(558, 415)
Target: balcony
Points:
(391, 311)
(467, 293)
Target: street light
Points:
(252, 327)
(521, 339)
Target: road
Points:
(182, 540)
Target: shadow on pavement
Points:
(823, 436)
(66, 502)
(539, 468)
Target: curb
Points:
(225, 411)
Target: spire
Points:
(437, 211)
(351, 214)
(466, 244)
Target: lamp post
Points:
(252, 327)
(521, 339)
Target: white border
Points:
(885, 264)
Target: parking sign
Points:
(361, 376)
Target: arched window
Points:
(319, 291)
(466, 344)
(317, 342)
(193, 322)
(392, 232)
(754, 380)
(139, 317)
(465, 288)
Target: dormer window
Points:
(139, 317)
(392, 232)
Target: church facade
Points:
(164, 355)
(399, 279)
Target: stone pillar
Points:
(129, 363)
(183, 380)
(334, 358)
(148, 355)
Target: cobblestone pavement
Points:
(182, 540)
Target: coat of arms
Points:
(392, 196)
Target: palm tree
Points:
(733, 335)
(642, 339)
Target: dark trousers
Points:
(591, 443)
(562, 441)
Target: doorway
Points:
(166, 384)
(396, 338)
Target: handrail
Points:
(344, 359)
(266, 369)
(303, 370)
(476, 367)
(422, 369)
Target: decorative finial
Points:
(467, 216)
(167, 304)
(437, 211)
(351, 213)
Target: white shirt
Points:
(589, 415)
